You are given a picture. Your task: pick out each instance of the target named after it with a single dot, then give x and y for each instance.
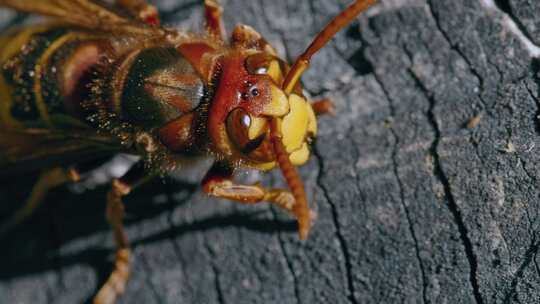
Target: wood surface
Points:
(426, 183)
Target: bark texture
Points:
(426, 184)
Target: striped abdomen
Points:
(39, 65)
(50, 73)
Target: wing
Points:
(31, 149)
(87, 14)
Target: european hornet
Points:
(107, 78)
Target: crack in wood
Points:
(443, 178)
(536, 267)
(472, 69)
(339, 234)
(395, 165)
(529, 256)
(535, 66)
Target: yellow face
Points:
(298, 127)
(297, 118)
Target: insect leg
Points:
(212, 15)
(116, 283)
(324, 107)
(218, 182)
(141, 10)
(48, 179)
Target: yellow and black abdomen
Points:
(55, 75)
(42, 68)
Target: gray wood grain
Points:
(413, 206)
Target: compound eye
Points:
(238, 123)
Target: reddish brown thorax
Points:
(202, 57)
(178, 135)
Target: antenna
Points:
(339, 22)
(294, 181)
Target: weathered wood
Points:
(413, 205)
